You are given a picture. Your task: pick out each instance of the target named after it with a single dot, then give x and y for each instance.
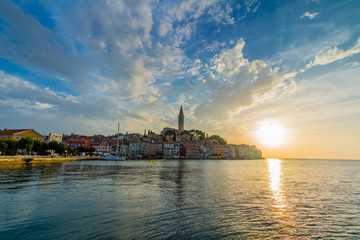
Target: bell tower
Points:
(181, 120)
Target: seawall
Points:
(41, 159)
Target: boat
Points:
(114, 156)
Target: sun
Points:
(271, 134)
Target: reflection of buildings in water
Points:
(172, 180)
(179, 182)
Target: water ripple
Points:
(264, 199)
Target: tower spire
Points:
(181, 120)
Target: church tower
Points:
(181, 120)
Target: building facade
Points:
(17, 134)
(55, 137)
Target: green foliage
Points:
(70, 151)
(3, 147)
(44, 148)
(218, 139)
(26, 143)
(37, 146)
(12, 146)
(90, 149)
(194, 132)
(169, 132)
(58, 147)
(81, 149)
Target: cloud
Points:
(334, 54)
(166, 26)
(310, 15)
(222, 15)
(252, 5)
(27, 42)
(238, 84)
(51, 109)
(352, 64)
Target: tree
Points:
(218, 139)
(60, 149)
(90, 149)
(169, 132)
(37, 146)
(3, 147)
(185, 132)
(12, 147)
(26, 143)
(194, 132)
(81, 149)
(52, 145)
(57, 147)
(44, 148)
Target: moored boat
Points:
(114, 156)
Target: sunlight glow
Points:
(271, 134)
(274, 168)
(275, 173)
(280, 206)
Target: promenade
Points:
(42, 159)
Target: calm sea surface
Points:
(181, 199)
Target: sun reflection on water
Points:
(274, 167)
(281, 209)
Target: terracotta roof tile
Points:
(12, 131)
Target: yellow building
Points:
(17, 134)
(152, 151)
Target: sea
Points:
(181, 199)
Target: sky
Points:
(83, 66)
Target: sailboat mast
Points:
(117, 145)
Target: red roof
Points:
(12, 131)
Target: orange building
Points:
(17, 134)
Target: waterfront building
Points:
(192, 150)
(123, 149)
(145, 147)
(244, 151)
(152, 150)
(206, 150)
(55, 137)
(231, 151)
(159, 149)
(75, 141)
(134, 148)
(17, 134)
(226, 152)
(181, 120)
(106, 148)
(217, 151)
(171, 150)
(182, 151)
